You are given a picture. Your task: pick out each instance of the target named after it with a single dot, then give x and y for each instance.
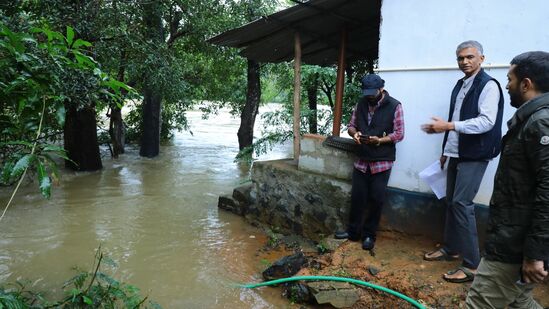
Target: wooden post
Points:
(297, 95)
(340, 83)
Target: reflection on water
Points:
(157, 218)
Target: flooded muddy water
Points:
(157, 218)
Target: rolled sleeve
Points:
(352, 122)
(398, 125)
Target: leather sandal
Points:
(444, 256)
(469, 275)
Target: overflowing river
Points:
(157, 218)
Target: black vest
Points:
(483, 146)
(381, 125)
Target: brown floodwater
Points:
(156, 218)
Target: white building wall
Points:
(424, 34)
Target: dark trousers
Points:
(460, 231)
(367, 197)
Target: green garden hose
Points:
(332, 278)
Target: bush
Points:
(87, 289)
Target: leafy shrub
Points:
(87, 289)
(41, 71)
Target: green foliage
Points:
(185, 70)
(271, 92)
(342, 272)
(322, 247)
(12, 300)
(223, 69)
(278, 129)
(265, 263)
(40, 72)
(87, 289)
(29, 85)
(278, 126)
(274, 238)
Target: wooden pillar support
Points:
(297, 95)
(340, 83)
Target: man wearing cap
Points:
(472, 138)
(376, 125)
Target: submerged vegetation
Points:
(87, 289)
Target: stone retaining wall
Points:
(298, 202)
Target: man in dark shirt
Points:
(376, 126)
(517, 243)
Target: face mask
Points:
(372, 100)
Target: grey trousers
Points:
(460, 230)
(495, 286)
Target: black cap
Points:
(371, 83)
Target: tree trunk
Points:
(328, 88)
(117, 132)
(150, 140)
(253, 96)
(312, 95)
(81, 139)
(152, 98)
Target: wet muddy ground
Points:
(398, 264)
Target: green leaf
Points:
(108, 279)
(83, 59)
(70, 35)
(56, 150)
(21, 105)
(74, 293)
(43, 180)
(28, 39)
(80, 42)
(22, 164)
(52, 166)
(87, 300)
(97, 72)
(116, 85)
(6, 172)
(37, 30)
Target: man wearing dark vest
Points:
(517, 241)
(376, 125)
(472, 138)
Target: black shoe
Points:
(368, 243)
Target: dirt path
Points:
(398, 264)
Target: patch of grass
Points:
(342, 272)
(273, 238)
(265, 263)
(322, 247)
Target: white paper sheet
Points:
(435, 178)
